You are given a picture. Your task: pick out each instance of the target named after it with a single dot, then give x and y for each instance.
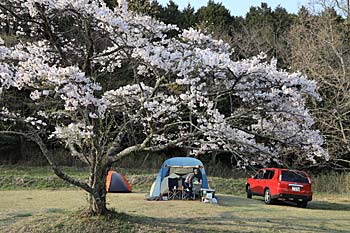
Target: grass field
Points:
(32, 199)
(55, 211)
(24, 177)
(18, 178)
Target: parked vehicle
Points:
(284, 184)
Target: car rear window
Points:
(294, 176)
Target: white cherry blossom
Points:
(181, 91)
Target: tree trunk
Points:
(97, 202)
(97, 198)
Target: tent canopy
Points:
(179, 166)
(117, 183)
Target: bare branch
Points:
(77, 154)
(35, 138)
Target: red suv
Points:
(275, 183)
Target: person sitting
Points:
(188, 184)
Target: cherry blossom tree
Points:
(110, 83)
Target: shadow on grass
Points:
(228, 221)
(232, 201)
(318, 205)
(12, 218)
(325, 205)
(232, 223)
(55, 210)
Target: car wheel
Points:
(249, 192)
(267, 197)
(302, 204)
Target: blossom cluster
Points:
(176, 91)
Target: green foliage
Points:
(265, 30)
(171, 14)
(188, 17)
(259, 15)
(214, 14)
(152, 8)
(111, 3)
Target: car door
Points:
(268, 181)
(256, 184)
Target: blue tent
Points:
(176, 165)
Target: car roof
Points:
(281, 169)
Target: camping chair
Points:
(187, 195)
(174, 191)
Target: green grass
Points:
(228, 186)
(34, 200)
(22, 215)
(71, 222)
(20, 177)
(44, 171)
(80, 172)
(139, 183)
(17, 177)
(56, 211)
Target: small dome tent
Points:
(177, 165)
(117, 183)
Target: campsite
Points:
(36, 201)
(174, 116)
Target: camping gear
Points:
(208, 195)
(177, 166)
(117, 183)
(175, 192)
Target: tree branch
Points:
(52, 36)
(138, 147)
(75, 153)
(17, 16)
(35, 138)
(89, 48)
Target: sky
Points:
(241, 7)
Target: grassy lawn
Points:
(19, 178)
(55, 211)
(35, 200)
